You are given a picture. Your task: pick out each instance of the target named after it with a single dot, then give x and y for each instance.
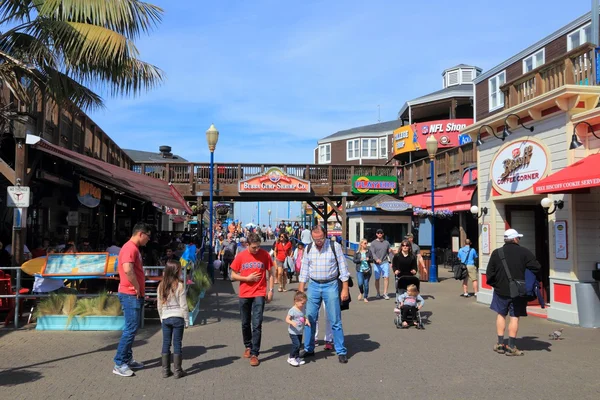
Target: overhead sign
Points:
(274, 180)
(447, 132)
(518, 165)
(89, 195)
(18, 196)
(374, 184)
(394, 205)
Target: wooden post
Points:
(18, 232)
(569, 72)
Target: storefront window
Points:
(394, 233)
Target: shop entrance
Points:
(531, 221)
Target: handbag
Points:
(516, 287)
(344, 304)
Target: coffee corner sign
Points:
(274, 180)
(518, 166)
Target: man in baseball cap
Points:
(512, 234)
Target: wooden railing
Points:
(577, 67)
(450, 166)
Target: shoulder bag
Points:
(344, 305)
(517, 287)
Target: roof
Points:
(461, 66)
(375, 200)
(141, 186)
(446, 93)
(139, 156)
(379, 128)
(538, 45)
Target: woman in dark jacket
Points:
(363, 259)
(404, 262)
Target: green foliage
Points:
(201, 283)
(52, 305)
(70, 301)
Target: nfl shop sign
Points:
(274, 181)
(413, 137)
(518, 165)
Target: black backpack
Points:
(229, 251)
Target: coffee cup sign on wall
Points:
(518, 165)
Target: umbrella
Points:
(250, 225)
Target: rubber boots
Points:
(179, 372)
(166, 365)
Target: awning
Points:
(142, 186)
(583, 174)
(453, 199)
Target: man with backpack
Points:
(228, 254)
(506, 272)
(467, 255)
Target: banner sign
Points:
(274, 180)
(447, 132)
(394, 205)
(518, 165)
(89, 195)
(374, 184)
(82, 264)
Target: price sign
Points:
(18, 196)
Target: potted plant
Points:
(196, 290)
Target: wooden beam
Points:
(319, 213)
(7, 171)
(31, 171)
(535, 114)
(567, 104)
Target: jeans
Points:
(296, 343)
(132, 309)
(327, 292)
(363, 282)
(251, 310)
(172, 329)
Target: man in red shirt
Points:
(250, 268)
(131, 296)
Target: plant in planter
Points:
(201, 283)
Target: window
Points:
(467, 75)
(579, 37)
(369, 148)
(325, 153)
(353, 149)
(496, 95)
(534, 61)
(453, 78)
(383, 147)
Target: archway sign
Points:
(274, 180)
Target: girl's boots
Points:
(166, 365)
(178, 371)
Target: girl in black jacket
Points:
(363, 259)
(404, 262)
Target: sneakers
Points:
(499, 348)
(465, 295)
(293, 362)
(123, 370)
(254, 361)
(378, 296)
(135, 365)
(386, 297)
(513, 351)
(300, 361)
(307, 354)
(247, 353)
(360, 297)
(328, 346)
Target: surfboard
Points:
(35, 266)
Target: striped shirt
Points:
(320, 264)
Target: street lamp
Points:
(212, 137)
(269, 212)
(432, 146)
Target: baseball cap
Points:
(512, 234)
(379, 231)
(409, 235)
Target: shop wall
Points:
(587, 239)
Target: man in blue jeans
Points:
(323, 270)
(131, 295)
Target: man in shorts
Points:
(516, 259)
(467, 256)
(381, 267)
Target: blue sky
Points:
(276, 76)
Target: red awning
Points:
(453, 199)
(583, 174)
(142, 186)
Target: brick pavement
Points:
(451, 359)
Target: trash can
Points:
(588, 304)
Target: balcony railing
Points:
(577, 67)
(450, 166)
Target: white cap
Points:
(512, 234)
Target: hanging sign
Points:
(518, 165)
(394, 205)
(274, 180)
(89, 195)
(447, 132)
(561, 240)
(374, 184)
(485, 238)
(18, 196)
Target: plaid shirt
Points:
(320, 264)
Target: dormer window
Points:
(460, 75)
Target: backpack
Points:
(229, 251)
(344, 305)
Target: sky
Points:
(274, 77)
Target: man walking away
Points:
(381, 254)
(131, 296)
(229, 250)
(323, 267)
(516, 259)
(305, 236)
(467, 256)
(250, 268)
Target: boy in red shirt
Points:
(250, 269)
(131, 295)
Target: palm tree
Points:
(67, 49)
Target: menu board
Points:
(82, 264)
(485, 238)
(561, 240)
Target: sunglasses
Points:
(405, 245)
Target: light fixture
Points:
(212, 137)
(575, 143)
(475, 212)
(506, 132)
(547, 203)
(432, 146)
(488, 128)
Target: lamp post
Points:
(432, 146)
(269, 212)
(212, 137)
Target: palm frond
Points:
(64, 90)
(15, 11)
(28, 49)
(127, 17)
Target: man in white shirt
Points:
(305, 236)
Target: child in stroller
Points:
(408, 303)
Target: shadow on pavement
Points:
(276, 352)
(425, 317)
(206, 365)
(531, 343)
(13, 378)
(188, 352)
(360, 344)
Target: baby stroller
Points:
(401, 284)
